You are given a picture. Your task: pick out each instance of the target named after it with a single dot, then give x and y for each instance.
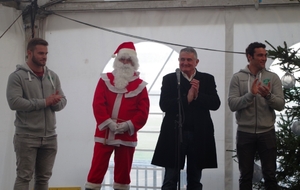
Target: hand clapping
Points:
(193, 92)
(257, 88)
(53, 99)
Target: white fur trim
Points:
(135, 92)
(93, 186)
(110, 86)
(115, 142)
(131, 127)
(126, 50)
(120, 186)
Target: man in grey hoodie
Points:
(254, 94)
(35, 93)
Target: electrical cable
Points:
(143, 38)
(34, 9)
(11, 25)
(33, 13)
(24, 12)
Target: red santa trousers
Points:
(123, 162)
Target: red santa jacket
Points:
(130, 104)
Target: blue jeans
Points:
(247, 145)
(34, 155)
(193, 172)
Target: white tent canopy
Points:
(78, 53)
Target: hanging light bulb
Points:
(296, 128)
(257, 173)
(288, 80)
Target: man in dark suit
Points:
(195, 134)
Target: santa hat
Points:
(126, 47)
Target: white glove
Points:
(112, 126)
(121, 128)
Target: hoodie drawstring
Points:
(29, 76)
(50, 77)
(249, 84)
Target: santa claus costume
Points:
(121, 107)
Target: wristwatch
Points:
(268, 96)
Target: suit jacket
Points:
(196, 118)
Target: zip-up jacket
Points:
(26, 93)
(254, 113)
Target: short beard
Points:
(36, 62)
(123, 74)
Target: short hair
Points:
(190, 50)
(251, 47)
(36, 41)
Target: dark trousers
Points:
(193, 172)
(247, 145)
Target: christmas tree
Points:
(288, 124)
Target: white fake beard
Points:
(123, 73)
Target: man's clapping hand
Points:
(193, 92)
(53, 99)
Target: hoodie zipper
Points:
(255, 129)
(42, 86)
(255, 98)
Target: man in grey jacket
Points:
(35, 93)
(254, 94)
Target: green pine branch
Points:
(288, 144)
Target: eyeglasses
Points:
(125, 60)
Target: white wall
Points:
(11, 53)
(78, 54)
